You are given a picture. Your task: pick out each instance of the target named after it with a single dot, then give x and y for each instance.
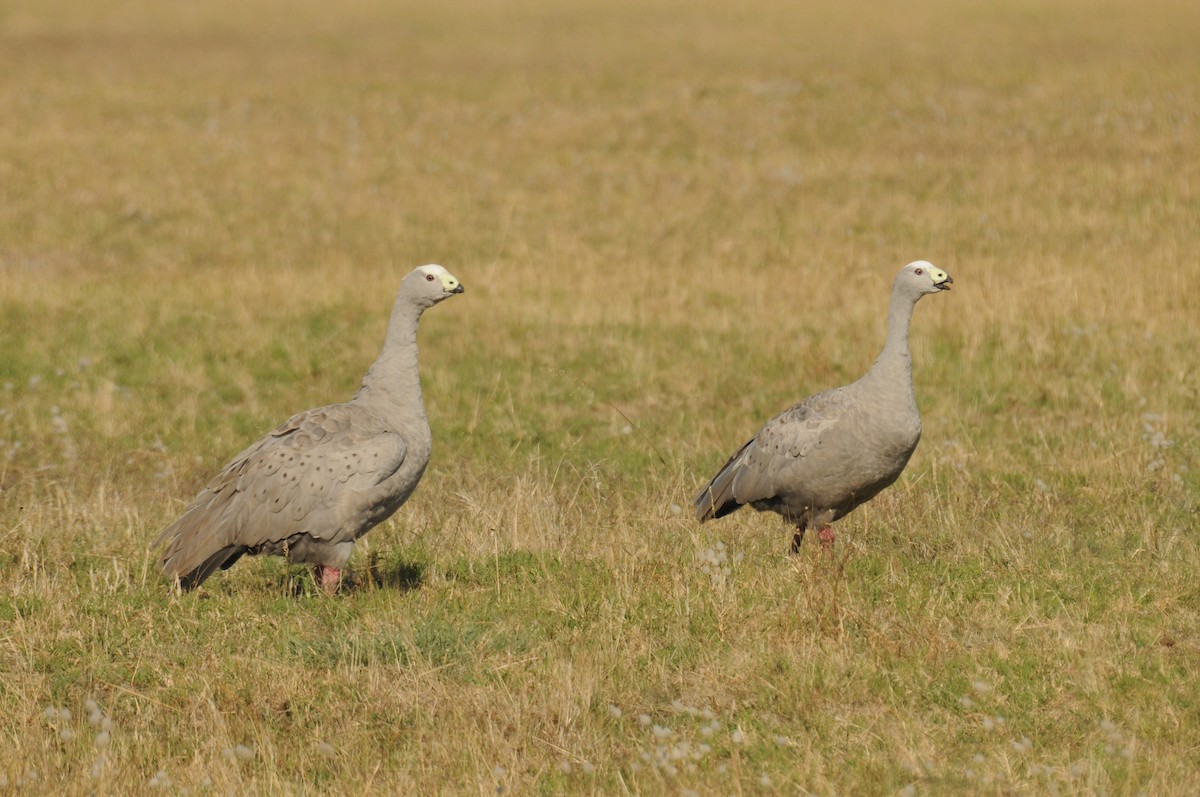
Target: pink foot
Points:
(328, 578)
(825, 535)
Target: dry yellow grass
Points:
(672, 219)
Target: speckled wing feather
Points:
(788, 438)
(301, 479)
(753, 473)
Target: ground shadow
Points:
(402, 576)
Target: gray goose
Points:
(313, 486)
(817, 461)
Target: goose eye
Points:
(918, 271)
(429, 277)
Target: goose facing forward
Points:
(312, 487)
(818, 460)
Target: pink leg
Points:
(825, 535)
(328, 578)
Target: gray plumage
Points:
(818, 460)
(324, 478)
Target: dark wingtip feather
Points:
(221, 560)
(709, 508)
(727, 508)
(716, 499)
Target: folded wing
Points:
(297, 484)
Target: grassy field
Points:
(673, 219)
